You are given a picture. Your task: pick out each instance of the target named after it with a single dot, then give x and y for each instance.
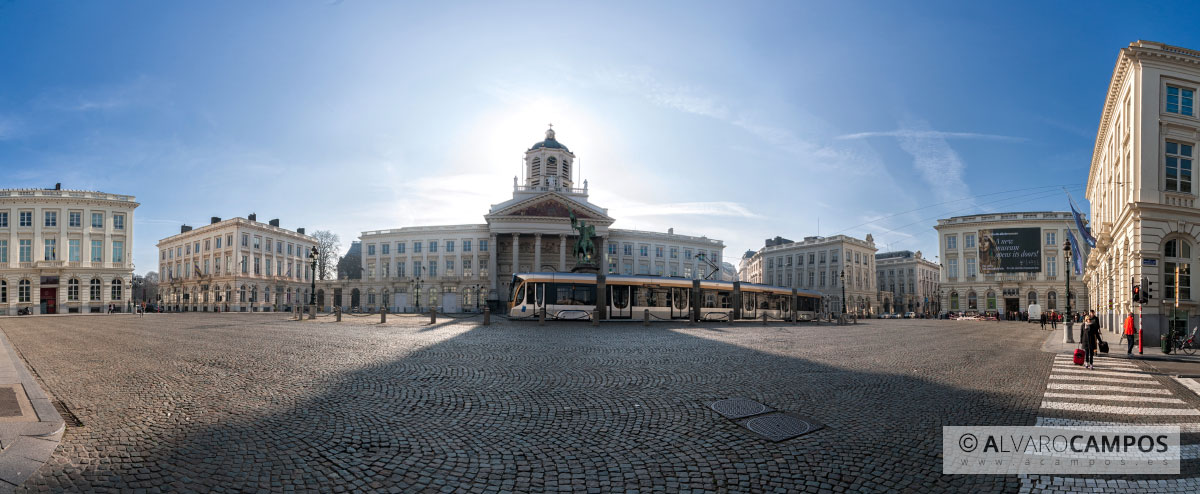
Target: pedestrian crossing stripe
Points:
(1117, 410)
(1101, 379)
(1189, 383)
(1103, 387)
(1094, 372)
(1187, 427)
(1121, 398)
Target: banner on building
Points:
(1010, 250)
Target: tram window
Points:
(520, 294)
(723, 300)
(710, 299)
(562, 294)
(747, 301)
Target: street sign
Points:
(1149, 262)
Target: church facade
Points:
(462, 268)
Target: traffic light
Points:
(1148, 293)
(1137, 294)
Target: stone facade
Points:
(965, 288)
(907, 282)
(1142, 190)
(65, 251)
(819, 264)
(235, 265)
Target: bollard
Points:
(338, 311)
(595, 318)
(542, 317)
(764, 318)
(312, 312)
(487, 316)
(646, 317)
(382, 315)
(433, 315)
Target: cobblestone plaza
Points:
(237, 402)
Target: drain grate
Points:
(67, 415)
(739, 408)
(780, 426)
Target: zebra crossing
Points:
(1117, 392)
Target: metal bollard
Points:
(383, 315)
(433, 315)
(312, 312)
(646, 317)
(487, 316)
(595, 318)
(338, 311)
(542, 317)
(764, 318)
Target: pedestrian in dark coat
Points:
(1091, 337)
(1043, 320)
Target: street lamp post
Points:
(417, 289)
(1068, 337)
(312, 258)
(842, 276)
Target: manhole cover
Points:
(737, 408)
(780, 426)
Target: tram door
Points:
(680, 302)
(539, 297)
(749, 305)
(619, 302)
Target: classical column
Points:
(492, 275)
(516, 247)
(603, 254)
(562, 252)
(537, 252)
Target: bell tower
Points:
(548, 163)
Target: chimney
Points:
(252, 217)
(215, 220)
(274, 222)
(58, 186)
(184, 229)
(670, 231)
(300, 230)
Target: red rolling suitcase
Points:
(1079, 356)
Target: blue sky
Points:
(738, 120)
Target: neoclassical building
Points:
(235, 265)
(907, 282)
(463, 267)
(65, 251)
(1142, 190)
(820, 264)
(975, 279)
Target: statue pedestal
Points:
(586, 267)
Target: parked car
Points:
(910, 315)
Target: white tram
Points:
(573, 296)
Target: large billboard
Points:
(1010, 250)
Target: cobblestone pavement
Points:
(232, 403)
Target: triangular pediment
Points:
(551, 206)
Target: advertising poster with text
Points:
(1010, 250)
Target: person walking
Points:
(1043, 320)
(1053, 321)
(1129, 332)
(1088, 340)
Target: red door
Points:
(49, 300)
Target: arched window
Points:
(253, 293)
(972, 301)
(117, 289)
(566, 169)
(228, 293)
(3, 291)
(23, 291)
(551, 169)
(991, 300)
(1052, 300)
(371, 296)
(94, 290)
(953, 300)
(537, 170)
(1177, 268)
(242, 294)
(73, 290)
(1032, 297)
(267, 295)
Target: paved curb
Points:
(27, 445)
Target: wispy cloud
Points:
(715, 208)
(938, 164)
(930, 134)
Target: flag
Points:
(1081, 224)
(197, 269)
(1076, 253)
